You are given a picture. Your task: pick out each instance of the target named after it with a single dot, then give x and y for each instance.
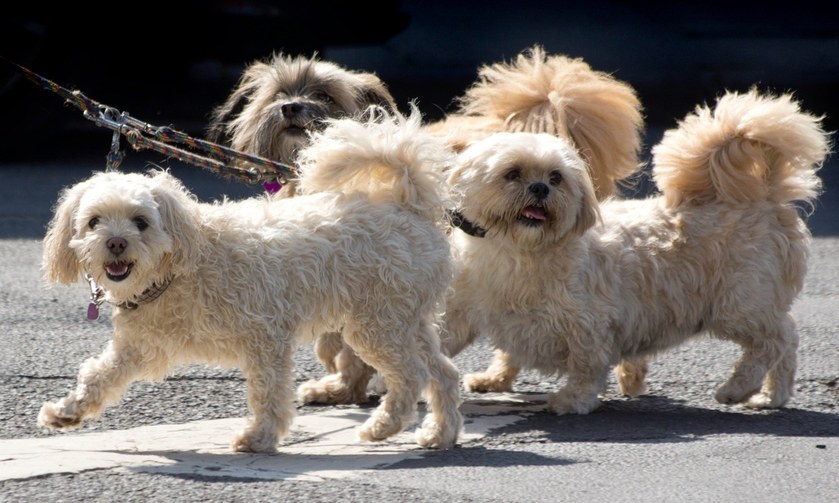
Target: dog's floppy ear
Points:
(59, 262)
(218, 130)
(375, 92)
(179, 214)
(589, 212)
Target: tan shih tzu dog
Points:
(570, 287)
(537, 92)
(362, 247)
(279, 102)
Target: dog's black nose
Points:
(539, 190)
(291, 109)
(116, 245)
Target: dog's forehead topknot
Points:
(505, 150)
(117, 190)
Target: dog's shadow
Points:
(653, 418)
(508, 426)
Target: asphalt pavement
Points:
(167, 441)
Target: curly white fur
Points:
(722, 250)
(251, 279)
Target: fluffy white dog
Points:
(722, 250)
(241, 283)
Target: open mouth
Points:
(533, 216)
(118, 271)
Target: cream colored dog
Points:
(722, 250)
(239, 284)
(280, 101)
(536, 92)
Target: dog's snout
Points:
(539, 190)
(291, 109)
(117, 245)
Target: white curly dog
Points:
(362, 250)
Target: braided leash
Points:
(221, 160)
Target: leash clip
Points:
(114, 120)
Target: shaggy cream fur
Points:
(362, 248)
(571, 287)
(539, 92)
(536, 93)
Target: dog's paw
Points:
(486, 382)
(379, 426)
(252, 442)
(58, 416)
(330, 390)
(433, 435)
(766, 401)
(631, 377)
(731, 393)
(562, 403)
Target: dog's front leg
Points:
(587, 371)
(458, 334)
(498, 377)
(101, 382)
(269, 372)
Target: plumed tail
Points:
(383, 154)
(750, 147)
(563, 96)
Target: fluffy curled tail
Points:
(563, 96)
(386, 155)
(750, 147)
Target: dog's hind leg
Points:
(779, 385)
(101, 382)
(630, 374)
(443, 422)
(498, 377)
(347, 385)
(403, 370)
(269, 373)
(327, 347)
(768, 361)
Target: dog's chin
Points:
(295, 131)
(290, 141)
(119, 270)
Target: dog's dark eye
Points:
(513, 174)
(556, 178)
(141, 223)
(93, 222)
(322, 97)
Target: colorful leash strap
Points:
(221, 160)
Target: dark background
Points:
(170, 63)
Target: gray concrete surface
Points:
(673, 444)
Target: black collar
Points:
(458, 220)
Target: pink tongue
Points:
(534, 213)
(117, 268)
